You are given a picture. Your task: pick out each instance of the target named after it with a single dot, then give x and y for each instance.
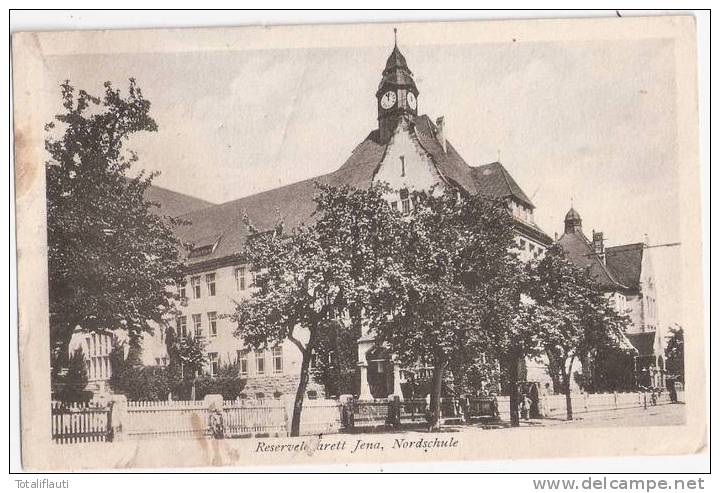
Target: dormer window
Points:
(203, 247)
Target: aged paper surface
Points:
(42, 60)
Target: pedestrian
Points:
(525, 406)
(217, 427)
(495, 406)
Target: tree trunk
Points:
(435, 395)
(300, 394)
(513, 382)
(566, 387)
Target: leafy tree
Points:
(579, 318)
(512, 334)
(291, 298)
(313, 280)
(111, 257)
(335, 364)
(608, 368)
(71, 383)
(675, 353)
(439, 293)
(133, 379)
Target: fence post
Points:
(118, 417)
(347, 416)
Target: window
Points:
(277, 358)
(393, 205)
(402, 165)
(243, 363)
(522, 244)
(405, 201)
(240, 278)
(214, 363)
(312, 394)
(182, 326)
(260, 362)
(197, 324)
(210, 281)
(182, 292)
(252, 277)
(212, 323)
(195, 283)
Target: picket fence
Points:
(80, 423)
(554, 406)
(121, 420)
(241, 418)
(182, 419)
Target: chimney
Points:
(599, 245)
(440, 124)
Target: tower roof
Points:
(572, 215)
(397, 72)
(573, 221)
(396, 60)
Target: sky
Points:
(592, 123)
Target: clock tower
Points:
(397, 93)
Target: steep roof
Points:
(494, 180)
(581, 253)
(644, 342)
(221, 230)
(223, 227)
(450, 164)
(625, 261)
(397, 72)
(174, 203)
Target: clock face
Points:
(388, 100)
(411, 100)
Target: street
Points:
(662, 415)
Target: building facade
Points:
(625, 273)
(406, 149)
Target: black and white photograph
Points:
(381, 242)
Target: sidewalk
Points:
(660, 415)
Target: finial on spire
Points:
(395, 31)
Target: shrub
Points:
(70, 386)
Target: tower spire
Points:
(397, 92)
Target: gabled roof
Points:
(174, 203)
(581, 253)
(494, 180)
(625, 261)
(294, 202)
(448, 162)
(644, 342)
